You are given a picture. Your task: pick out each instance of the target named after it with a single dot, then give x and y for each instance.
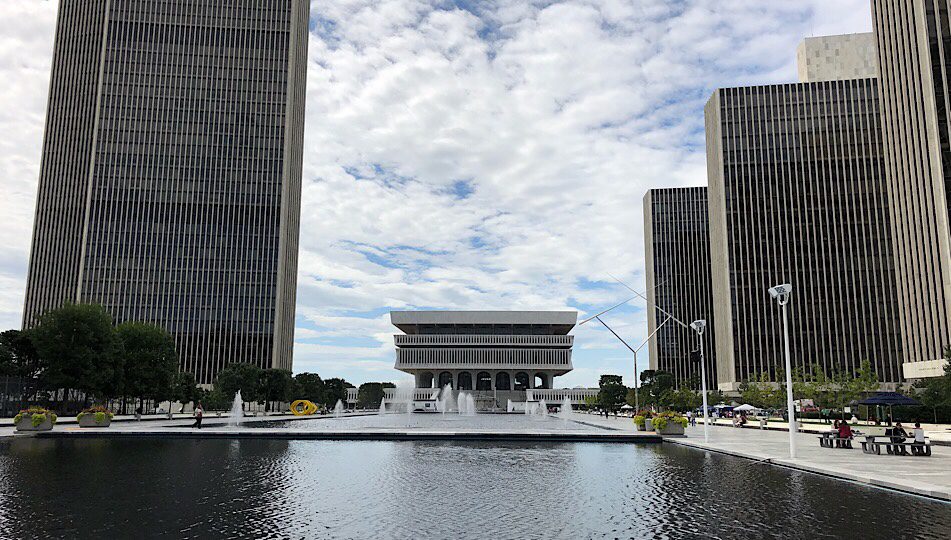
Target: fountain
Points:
(237, 411)
(542, 408)
(466, 404)
(508, 406)
(338, 409)
(445, 399)
(565, 411)
(383, 406)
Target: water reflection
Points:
(279, 489)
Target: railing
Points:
(552, 397)
(479, 340)
(488, 358)
(557, 395)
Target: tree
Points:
(244, 378)
(150, 361)
(276, 386)
(18, 357)
(612, 392)
(184, 389)
(684, 399)
(371, 394)
(309, 386)
(79, 349)
(656, 386)
(935, 392)
(335, 389)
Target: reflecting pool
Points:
(323, 489)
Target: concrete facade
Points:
(797, 194)
(169, 187)
(677, 260)
(485, 351)
(836, 58)
(914, 44)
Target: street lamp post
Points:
(781, 294)
(699, 326)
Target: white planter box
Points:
(89, 420)
(672, 428)
(26, 424)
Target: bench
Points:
(832, 440)
(872, 446)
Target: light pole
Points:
(781, 294)
(699, 326)
(637, 403)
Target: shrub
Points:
(663, 419)
(639, 421)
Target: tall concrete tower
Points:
(170, 182)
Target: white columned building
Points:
(497, 355)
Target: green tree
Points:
(18, 357)
(656, 388)
(335, 389)
(684, 399)
(935, 392)
(276, 385)
(370, 394)
(612, 392)
(150, 361)
(184, 389)
(79, 349)
(245, 378)
(309, 386)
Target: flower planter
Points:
(672, 428)
(26, 424)
(89, 420)
(648, 424)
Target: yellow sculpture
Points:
(302, 407)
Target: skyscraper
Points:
(914, 44)
(797, 195)
(677, 246)
(169, 187)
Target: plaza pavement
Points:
(928, 476)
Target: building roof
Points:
(409, 320)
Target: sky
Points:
(468, 154)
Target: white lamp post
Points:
(781, 294)
(698, 327)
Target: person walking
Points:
(199, 412)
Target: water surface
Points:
(325, 489)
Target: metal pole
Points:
(637, 406)
(789, 392)
(703, 387)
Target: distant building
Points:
(797, 194)
(677, 250)
(914, 53)
(498, 355)
(170, 181)
(836, 58)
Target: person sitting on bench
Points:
(845, 434)
(918, 446)
(898, 436)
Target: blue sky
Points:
(468, 155)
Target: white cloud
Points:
(493, 158)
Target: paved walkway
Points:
(929, 476)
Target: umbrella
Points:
(888, 399)
(746, 407)
(626, 407)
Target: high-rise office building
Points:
(170, 181)
(797, 195)
(835, 58)
(677, 250)
(914, 44)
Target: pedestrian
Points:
(199, 412)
